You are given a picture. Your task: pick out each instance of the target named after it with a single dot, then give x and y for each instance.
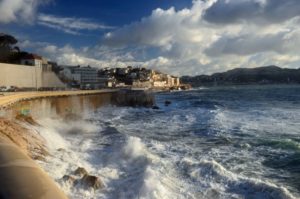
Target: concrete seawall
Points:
(39, 104)
(20, 176)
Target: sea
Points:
(234, 142)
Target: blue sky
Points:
(175, 36)
(111, 13)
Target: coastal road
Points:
(8, 99)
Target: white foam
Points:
(76, 150)
(212, 175)
(134, 148)
(153, 187)
(133, 165)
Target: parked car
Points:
(2, 89)
(9, 89)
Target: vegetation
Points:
(9, 53)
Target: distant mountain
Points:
(241, 76)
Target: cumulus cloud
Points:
(96, 56)
(19, 10)
(210, 36)
(247, 44)
(69, 25)
(214, 35)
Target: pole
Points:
(36, 82)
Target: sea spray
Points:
(209, 143)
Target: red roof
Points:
(32, 56)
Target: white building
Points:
(86, 77)
(32, 60)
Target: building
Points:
(138, 77)
(32, 60)
(85, 77)
(142, 84)
(88, 76)
(176, 81)
(106, 82)
(46, 66)
(122, 71)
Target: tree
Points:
(6, 47)
(7, 40)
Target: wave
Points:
(123, 163)
(217, 180)
(142, 153)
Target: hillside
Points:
(241, 76)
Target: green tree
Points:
(7, 48)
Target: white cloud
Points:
(68, 55)
(19, 10)
(69, 25)
(190, 40)
(215, 35)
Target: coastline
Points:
(20, 116)
(117, 146)
(9, 99)
(21, 146)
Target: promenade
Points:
(8, 99)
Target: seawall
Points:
(20, 176)
(21, 143)
(56, 104)
(23, 178)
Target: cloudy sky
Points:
(182, 37)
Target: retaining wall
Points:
(23, 76)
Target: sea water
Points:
(220, 142)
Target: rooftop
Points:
(32, 56)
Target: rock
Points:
(68, 179)
(155, 107)
(80, 172)
(89, 181)
(62, 150)
(167, 103)
(26, 118)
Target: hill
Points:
(242, 76)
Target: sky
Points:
(180, 37)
